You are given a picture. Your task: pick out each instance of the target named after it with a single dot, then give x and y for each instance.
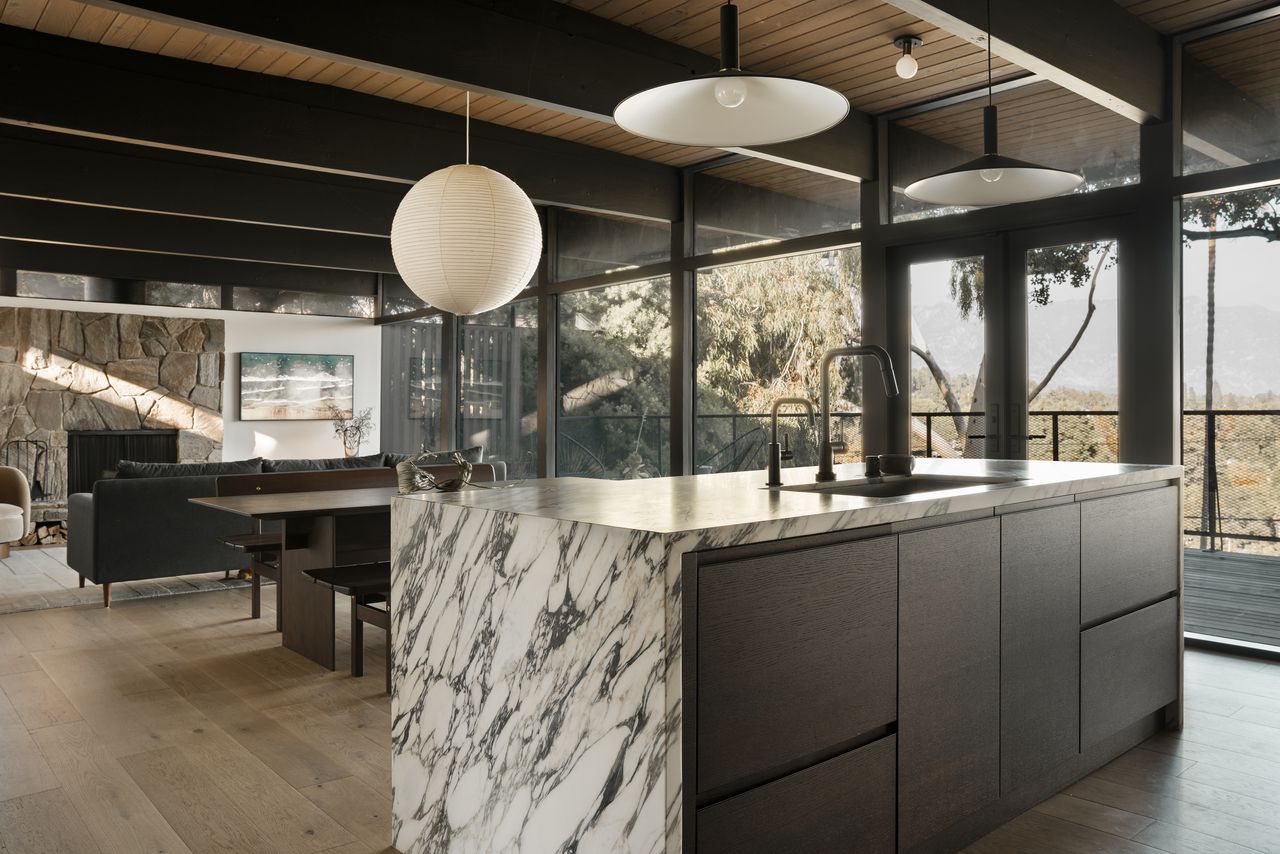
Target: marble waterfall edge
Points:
(533, 699)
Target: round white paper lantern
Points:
(466, 239)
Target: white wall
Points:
(249, 331)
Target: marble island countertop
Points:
(672, 505)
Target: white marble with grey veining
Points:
(536, 641)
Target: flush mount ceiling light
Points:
(466, 239)
(731, 108)
(992, 179)
(906, 65)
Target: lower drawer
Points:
(843, 804)
(1128, 669)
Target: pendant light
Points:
(992, 179)
(731, 108)
(465, 238)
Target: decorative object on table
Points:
(412, 479)
(351, 429)
(731, 107)
(465, 238)
(992, 179)
(295, 386)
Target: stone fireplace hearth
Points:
(71, 370)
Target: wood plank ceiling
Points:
(1247, 59)
(1175, 16)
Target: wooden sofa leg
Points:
(4, 550)
(106, 595)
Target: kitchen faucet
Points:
(775, 452)
(826, 452)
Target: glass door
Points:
(1064, 363)
(953, 377)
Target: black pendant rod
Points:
(989, 136)
(729, 59)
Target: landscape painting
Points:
(295, 386)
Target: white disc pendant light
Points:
(992, 179)
(731, 107)
(466, 239)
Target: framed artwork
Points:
(295, 386)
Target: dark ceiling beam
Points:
(1094, 48)
(121, 264)
(538, 52)
(37, 220)
(75, 169)
(126, 96)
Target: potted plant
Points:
(352, 429)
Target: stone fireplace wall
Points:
(74, 370)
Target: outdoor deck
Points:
(1231, 595)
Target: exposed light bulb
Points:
(991, 175)
(906, 66)
(731, 91)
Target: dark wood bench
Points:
(368, 584)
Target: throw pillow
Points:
(129, 469)
(365, 462)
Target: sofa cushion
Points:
(471, 455)
(129, 469)
(366, 462)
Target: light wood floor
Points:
(177, 724)
(38, 577)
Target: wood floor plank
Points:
(117, 814)
(37, 700)
(1181, 840)
(14, 657)
(193, 804)
(1037, 832)
(362, 809)
(370, 762)
(285, 817)
(44, 823)
(1098, 816)
(1208, 754)
(23, 770)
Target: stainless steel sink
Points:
(898, 485)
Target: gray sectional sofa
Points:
(141, 525)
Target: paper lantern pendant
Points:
(465, 238)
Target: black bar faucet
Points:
(826, 453)
(776, 452)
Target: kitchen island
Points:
(699, 663)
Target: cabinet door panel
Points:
(1128, 669)
(797, 654)
(949, 676)
(1128, 551)
(843, 804)
(1039, 642)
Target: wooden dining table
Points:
(321, 529)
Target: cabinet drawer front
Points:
(949, 686)
(796, 655)
(1128, 551)
(1128, 669)
(1039, 643)
(843, 804)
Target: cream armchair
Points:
(15, 507)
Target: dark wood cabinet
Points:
(1039, 643)
(1128, 551)
(949, 676)
(1128, 669)
(842, 804)
(796, 656)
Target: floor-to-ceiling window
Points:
(762, 329)
(614, 381)
(1231, 413)
(412, 372)
(498, 385)
(1073, 375)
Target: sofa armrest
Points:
(15, 490)
(80, 533)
